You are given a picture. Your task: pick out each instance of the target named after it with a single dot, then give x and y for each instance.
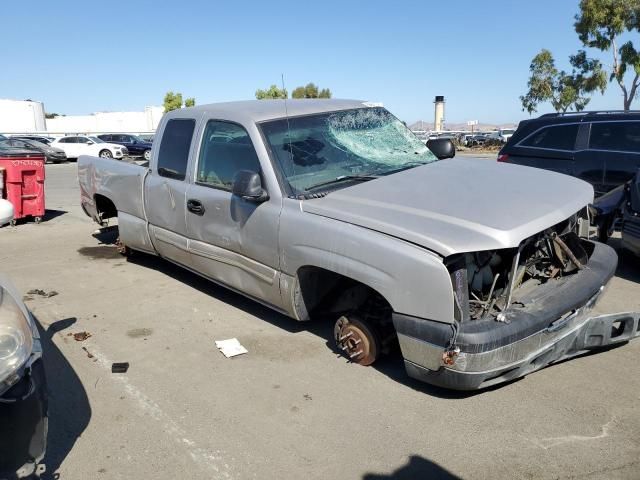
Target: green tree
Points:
(599, 24)
(172, 101)
(310, 90)
(190, 102)
(563, 90)
(273, 92)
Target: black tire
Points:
(606, 229)
(105, 154)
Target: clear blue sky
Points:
(79, 57)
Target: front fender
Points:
(413, 280)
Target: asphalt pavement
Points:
(292, 407)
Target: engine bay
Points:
(486, 282)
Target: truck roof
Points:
(261, 110)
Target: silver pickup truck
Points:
(334, 210)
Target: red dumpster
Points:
(23, 181)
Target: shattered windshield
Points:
(317, 150)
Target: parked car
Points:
(76, 145)
(476, 140)
(332, 209)
(23, 388)
(37, 138)
(53, 154)
(504, 134)
(135, 145)
(602, 148)
(6, 212)
(620, 206)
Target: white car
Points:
(6, 212)
(76, 145)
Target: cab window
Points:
(173, 155)
(226, 149)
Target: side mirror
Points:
(442, 148)
(88, 142)
(248, 185)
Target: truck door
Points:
(232, 240)
(165, 191)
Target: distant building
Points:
(21, 116)
(18, 116)
(104, 122)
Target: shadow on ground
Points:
(51, 214)
(69, 409)
(416, 468)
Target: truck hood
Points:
(460, 205)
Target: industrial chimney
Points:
(438, 121)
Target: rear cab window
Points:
(173, 156)
(555, 137)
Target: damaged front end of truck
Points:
(518, 310)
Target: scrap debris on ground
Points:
(39, 292)
(119, 367)
(231, 347)
(80, 336)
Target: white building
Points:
(18, 116)
(103, 122)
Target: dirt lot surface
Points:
(291, 407)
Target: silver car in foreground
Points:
(333, 210)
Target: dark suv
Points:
(602, 148)
(135, 145)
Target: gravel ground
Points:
(291, 407)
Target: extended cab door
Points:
(165, 190)
(232, 240)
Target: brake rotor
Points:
(357, 340)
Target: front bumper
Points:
(24, 422)
(554, 323)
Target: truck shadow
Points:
(69, 409)
(416, 468)
(391, 365)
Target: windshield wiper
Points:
(342, 178)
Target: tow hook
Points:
(449, 356)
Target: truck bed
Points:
(118, 181)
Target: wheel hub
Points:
(357, 340)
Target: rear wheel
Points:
(105, 154)
(147, 155)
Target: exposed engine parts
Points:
(485, 282)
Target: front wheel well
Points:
(321, 292)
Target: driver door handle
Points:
(195, 206)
